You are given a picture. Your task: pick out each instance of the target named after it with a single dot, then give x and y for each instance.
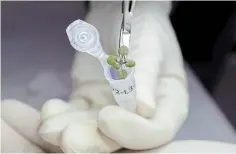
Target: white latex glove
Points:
(19, 124)
(92, 122)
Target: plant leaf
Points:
(123, 50)
(130, 63)
(116, 66)
(122, 74)
(111, 60)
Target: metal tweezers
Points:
(125, 31)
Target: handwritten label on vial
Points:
(125, 91)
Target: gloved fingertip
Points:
(51, 137)
(84, 137)
(80, 104)
(77, 137)
(50, 129)
(54, 107)
(145, 93)
(146, 110)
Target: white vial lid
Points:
(84, 38)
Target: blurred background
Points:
(36, 58)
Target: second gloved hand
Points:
(92, 122)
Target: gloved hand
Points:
(19, 124)
(92, 122)
(19, 134)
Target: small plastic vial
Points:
(85, 38)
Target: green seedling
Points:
(118, 63)
(122, 74)
(116, 66)
(111, 60)
(130, 63)
(123, 50)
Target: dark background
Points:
(205, 31)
